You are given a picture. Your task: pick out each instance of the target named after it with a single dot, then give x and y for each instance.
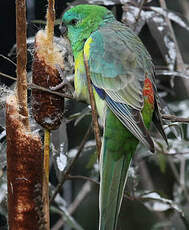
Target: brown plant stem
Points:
(50, 21)
(93, 108)
(24, 150)
(45, 190)
(46, 152)
(21, 50)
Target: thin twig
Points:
(8, 76)
(69, 177)
(69, 219)
(174, 118)
(8, 59)
(70, 166)
(34, 86)
(170, 154)
(93, 108)
(140, 10)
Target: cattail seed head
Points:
(47, 108)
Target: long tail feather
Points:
(118, 147)
(111, 192)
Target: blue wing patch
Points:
(101, 93)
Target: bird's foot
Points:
(65, 84)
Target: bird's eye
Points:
(73, 22)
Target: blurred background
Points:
(157, 191)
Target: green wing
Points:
(118, 64)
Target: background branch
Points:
(174, 118)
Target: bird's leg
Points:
(64, 82)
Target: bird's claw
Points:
(64, 83)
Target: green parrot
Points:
(122, 77)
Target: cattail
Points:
(47, 108)
(24, 170)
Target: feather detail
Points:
(117, 149)
(132, 120)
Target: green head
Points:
(80, 21)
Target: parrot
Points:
(125, 93)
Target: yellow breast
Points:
(80, 81)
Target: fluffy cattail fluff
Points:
(47, 108)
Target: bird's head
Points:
(80, 21)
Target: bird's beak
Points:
(63, 29)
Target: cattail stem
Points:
(50, 21)
(46, 153)
(46, 177)
(50, 35)
(21, 60)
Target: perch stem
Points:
(93, 108)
